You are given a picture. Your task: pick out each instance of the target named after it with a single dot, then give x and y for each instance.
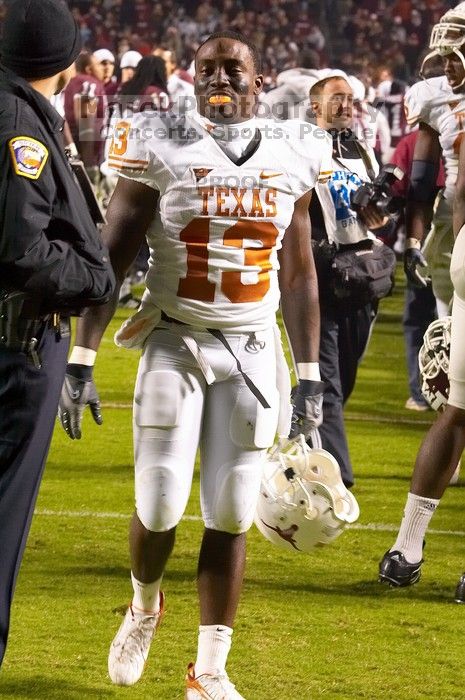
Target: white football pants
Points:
(437, 251)
(457, 341)
(176, 411)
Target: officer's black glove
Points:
(414, 259)
(307, 407)
(77, 392)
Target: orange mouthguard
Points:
(219, 100)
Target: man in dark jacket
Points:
(52, 263)
(345, 324)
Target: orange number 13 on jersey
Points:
(196, 284)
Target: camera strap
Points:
(324, 195)
(365, 159)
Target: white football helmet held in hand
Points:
(303, 502)
(433, 361)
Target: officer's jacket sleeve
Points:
(39, 253)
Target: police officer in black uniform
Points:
(52, 264)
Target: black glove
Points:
(413, 259)
(77, 392)
(307, 407)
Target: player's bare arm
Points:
(129, 215)
(459, 200)
(422, 185)
(301, 314)
(420, 199)
(299, 286)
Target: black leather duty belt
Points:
(20, 332)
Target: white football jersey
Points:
(433, 102)
(214, 257)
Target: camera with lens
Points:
(378, 192)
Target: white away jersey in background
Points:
(433, 102)
(214, 257)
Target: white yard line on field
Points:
(111, 404)
(398, 420)
(372, 527)
(362, 417)
(93, 514)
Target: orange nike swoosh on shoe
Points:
(266, 176)
(193, 684)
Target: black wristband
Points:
(310, 387)
(423, 177)
(82, 372)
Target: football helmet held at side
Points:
(303, 502)
(433, 361)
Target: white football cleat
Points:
(207, 687)
(130, 647)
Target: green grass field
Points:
(316, 626)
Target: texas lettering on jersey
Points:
(238, 201)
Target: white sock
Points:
(213, 649)
(417, 515)
(146, 595)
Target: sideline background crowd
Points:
(354, 35)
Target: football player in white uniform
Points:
(228, 187)
(437, 105)
(442, 446)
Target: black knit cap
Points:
(40, 38)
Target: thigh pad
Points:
(159, 398)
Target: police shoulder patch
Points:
(28, 155)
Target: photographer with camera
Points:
(355, 269)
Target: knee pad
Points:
(235, 498)
(457, 265)
(160, 498)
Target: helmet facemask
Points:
(447, 37)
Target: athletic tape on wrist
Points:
(82, 356)
(412, 243)
(309, 370)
